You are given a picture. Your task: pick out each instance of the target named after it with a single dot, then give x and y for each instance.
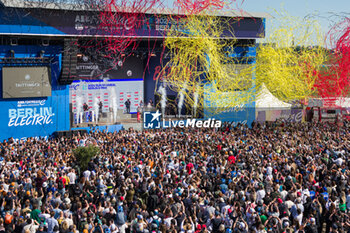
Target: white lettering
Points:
(29, 111)
(20, 112)
(39, 120)
(181, 124)
(28, 121)
(11, 122)
(16, 121)
(48, 120)
(206, 123)
(174, 123)
(31, 120)
(190, 123)
(23, 121)
(12, 113)
(217, 124)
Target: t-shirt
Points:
(35, 215)
(189, 167)
(260, 194)
(263, 219)
(232, 159)
(51, 223)
(72, 177)
(216, 224)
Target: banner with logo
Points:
(58, 22)
(103, 102)
(287, 115)
(33, 117)
(98, 67)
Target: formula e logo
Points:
(151, 120)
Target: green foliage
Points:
(83, 155)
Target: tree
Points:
(83, 155)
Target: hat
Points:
(122, 198)
(280, 200)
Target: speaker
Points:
(69, 61)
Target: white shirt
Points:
(269, 171)
(283, 194)
(260, 194)
(339, 161)
(87, 174)
(31, 227)
(72, 177)
(167, 221)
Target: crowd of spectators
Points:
(271, 177)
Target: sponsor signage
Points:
(30, 113)
(25, 82)
(46, 21)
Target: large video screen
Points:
(25, 82)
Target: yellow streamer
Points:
(198, 57)
(291, 57)
(285, 63)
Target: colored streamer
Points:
(334, 79)
(289, 61)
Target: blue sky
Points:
(323, 10)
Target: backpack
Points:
(8, 218)
(120, 216)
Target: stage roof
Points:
(44, 18)
(58, 5)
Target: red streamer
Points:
(334, 79)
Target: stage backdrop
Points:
(102, 101)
